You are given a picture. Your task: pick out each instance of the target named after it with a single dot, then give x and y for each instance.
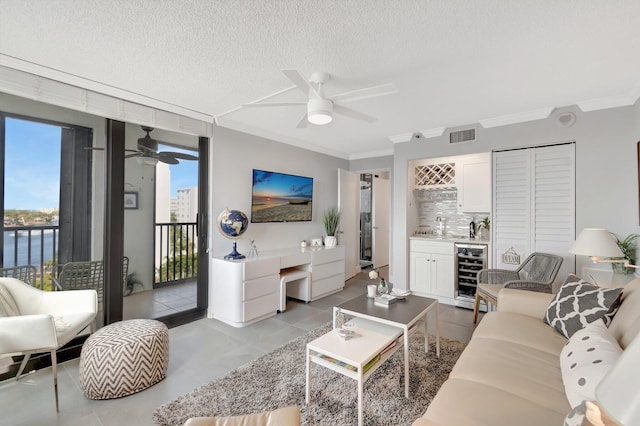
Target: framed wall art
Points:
(130, 200)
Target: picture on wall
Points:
(280, 197)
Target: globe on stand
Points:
(232, 224)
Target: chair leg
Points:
(54, 367)
(23, 364)
(476, 307)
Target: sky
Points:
(270, 184)
(32, 166)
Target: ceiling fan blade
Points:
(168, 159)
(300, 82)
(179, 155)
(97, 148)
(304, 122)
(352, 113)
(274, 104)
(132, 155)
(369, 92)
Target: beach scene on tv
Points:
(279, 197)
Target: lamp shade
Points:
(595, 242)
(619, 391)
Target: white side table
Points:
(367, 350)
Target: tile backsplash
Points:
(444, 203)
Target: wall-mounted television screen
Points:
(279, 197)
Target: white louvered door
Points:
(534, 203)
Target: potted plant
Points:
(131, 282)
(484, 227)
(628, 248)
(331, 220)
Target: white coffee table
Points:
(351, 357)
(404, 314)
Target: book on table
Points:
(385, 299)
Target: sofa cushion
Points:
(467, 403)
(508, 327)
(517, 369)
(8, 306)
(586, 359)
(579, 303)
(625, 326)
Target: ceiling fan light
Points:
(319, 111)
(320, 118)
(146, 161)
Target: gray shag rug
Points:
(277, 380)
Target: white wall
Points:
(606, 170)
(235, 155)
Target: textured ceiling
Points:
(454, 62)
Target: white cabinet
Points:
(327, 272)
(245, 291)
(248, 290)
(474, 183)
(432, 269)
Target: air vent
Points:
(462, 136)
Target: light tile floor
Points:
(160, 302)
(199, 352)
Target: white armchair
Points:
(36, 321)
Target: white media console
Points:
(248, 290)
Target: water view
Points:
(36, 249)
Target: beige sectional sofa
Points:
(510, 374)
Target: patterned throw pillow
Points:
(8, 306)
(586, 359)
(589, 413)
(579, 303)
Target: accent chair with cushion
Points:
(536, 273)
(35, 321)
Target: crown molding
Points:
(521, 117)
(610, 101)
(433, 133)
(403, 137)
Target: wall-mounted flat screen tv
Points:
(279, 197)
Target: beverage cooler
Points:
(469, 259)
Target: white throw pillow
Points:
(586, 358)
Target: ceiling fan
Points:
(320, 108)
(147, 152)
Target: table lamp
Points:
(598, 243)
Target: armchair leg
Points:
(54, 367)
(23, 364)
(476, 307)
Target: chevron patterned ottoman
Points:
(124, 358)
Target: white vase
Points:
(330, 241)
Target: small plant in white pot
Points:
(331, 220)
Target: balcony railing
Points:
(175, 253)
(32, 245)
(176, 258)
